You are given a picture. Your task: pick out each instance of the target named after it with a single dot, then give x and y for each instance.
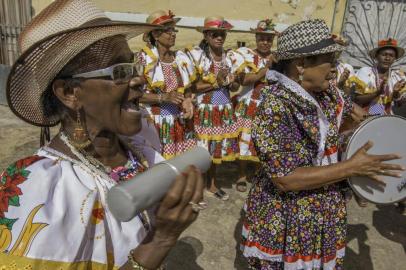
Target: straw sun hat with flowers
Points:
(53, 38)
(388, 43)
(215, 23)
(160, 17)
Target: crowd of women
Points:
(289, 111)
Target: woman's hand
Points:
(358, 114)
(173, 97)
(175, 212)
(188, 108)
(398, 86)
(222, 77)
(173, 216)
(344, 77)
(364, 164)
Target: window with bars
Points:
(14, 15)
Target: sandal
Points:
(219, 194)
(401, 207)
(241, 185)
(361, 202)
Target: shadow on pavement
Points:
(390, 224)
(363, 260)
(184, 255)
(240, 262)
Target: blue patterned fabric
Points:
(220, 96)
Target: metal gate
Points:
(14, 15)
(366, 22)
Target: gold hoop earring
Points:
(300, 78)
(80, 137)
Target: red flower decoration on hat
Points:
(225, 24)
(388, 42)
(171, 14)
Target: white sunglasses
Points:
(119, 73)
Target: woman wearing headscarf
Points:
(380, 87)
(257, 63)
(295, 211)
(79, 73)
(214, 121)
(168, 75)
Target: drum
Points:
(388, 133)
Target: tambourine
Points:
(388, 133)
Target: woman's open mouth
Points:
(131, 102)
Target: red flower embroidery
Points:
(13, 176)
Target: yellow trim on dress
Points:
(225, 158)
(161, 84)
(218, 137)
(248, 158)
(12, 262)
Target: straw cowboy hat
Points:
(388, 43)
(215, 23)
(264, 27)
(306, 38)
(160, 17)
(53, 38)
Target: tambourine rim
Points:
(346, 153)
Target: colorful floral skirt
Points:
(176, 134)
(245, 111)
(294, 230)
(216, 126)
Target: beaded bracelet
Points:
(136, 266)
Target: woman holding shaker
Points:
(53, 211)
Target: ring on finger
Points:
(381, 171)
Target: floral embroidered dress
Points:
(53, 215)
(215, 123)
(247, 103)
(369, 82)
(295, 230)
(176, 133)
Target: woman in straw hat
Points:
(379, 87)
(257, 63)
(168, 75)
(215, 123)
(295, 211)
(53, 211)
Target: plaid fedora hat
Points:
(306, 38)
(265, 27)
(53, 38)
(388, 43)
(215, 23)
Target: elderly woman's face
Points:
(110, 105)
(318, 71)
(264, 42)
(215, 39)
(386, 57)
(167, 36)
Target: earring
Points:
(80, 138)
(300, 78)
